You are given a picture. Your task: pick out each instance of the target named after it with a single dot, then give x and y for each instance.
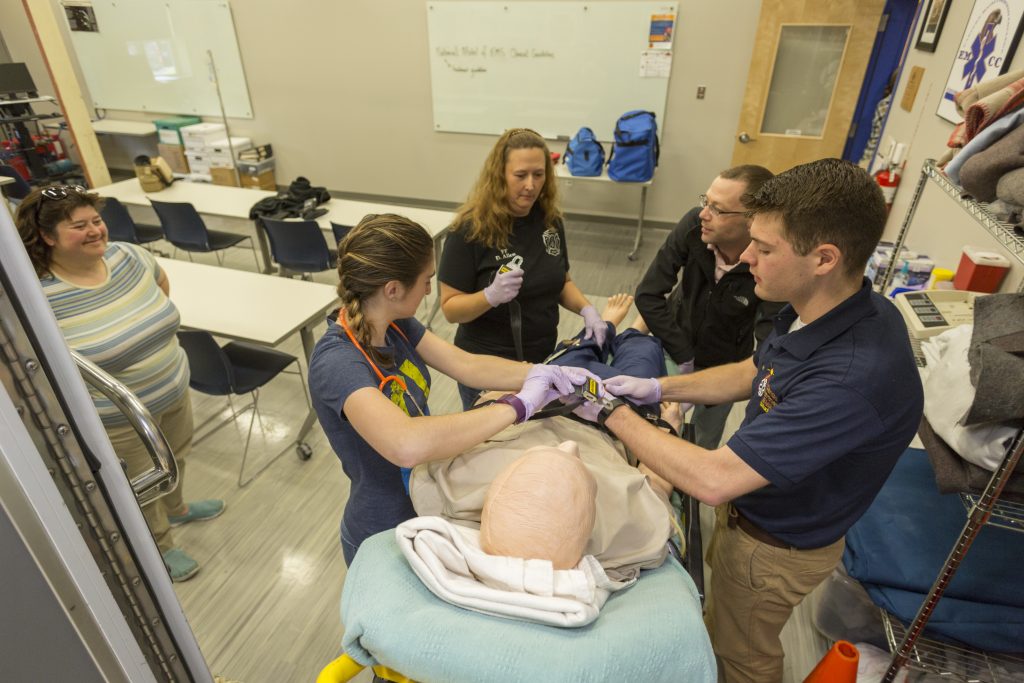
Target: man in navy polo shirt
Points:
(835, 398)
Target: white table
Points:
(235, 202)
(250, 307)
(114, 127)
(562, 173)
(215, 200)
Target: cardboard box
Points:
(197, 163)
(200, 135)
(220, 147)
(263, 180)
(255, 167)
(174, 155)
(224, 176)
(169, 130)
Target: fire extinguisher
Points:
(888, 179)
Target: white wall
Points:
(939, 228)
(342, 90)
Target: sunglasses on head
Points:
(61, 191)
(56, 193)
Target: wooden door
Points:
(805, 77)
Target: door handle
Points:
(162, 477)
(744, 138)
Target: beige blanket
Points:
(633, 523)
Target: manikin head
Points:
(541, 507)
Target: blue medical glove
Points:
(641, 390)
(504, 288)
(596, 327)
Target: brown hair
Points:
(39, 215)
(485, 215)
(751, 175)
(829, 201)
(379, 249)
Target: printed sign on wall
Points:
(986, 49)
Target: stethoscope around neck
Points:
(384, 379)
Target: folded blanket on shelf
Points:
(949, 395)
(902, 542)
(992, 628)
(984, 103)
(980, 174)
(996, 356)
(982, 141)
(953, 474)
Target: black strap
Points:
(560, 409)
(515, 314)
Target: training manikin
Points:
(541, 507)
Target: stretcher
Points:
(653, 631)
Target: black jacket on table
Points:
(713, 324)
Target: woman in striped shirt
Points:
(111, 302)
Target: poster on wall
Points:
(986, 49)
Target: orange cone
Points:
(839, 665)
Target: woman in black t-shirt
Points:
(511, 222)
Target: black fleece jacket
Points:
(712, 324)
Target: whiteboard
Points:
(151, 55)
(552, 66)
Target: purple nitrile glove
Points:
(596, 327)
(543, 384)
(642, 390)
(580, 375)
(504, 287)
(588, 411)
(686, 368)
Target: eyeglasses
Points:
(714, 210)
(61, 191)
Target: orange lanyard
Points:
(384, 379)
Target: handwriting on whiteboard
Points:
(472, 59)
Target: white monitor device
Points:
(933, 311)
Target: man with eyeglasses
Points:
(709, 315)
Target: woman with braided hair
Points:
(370, 381)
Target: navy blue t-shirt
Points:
(833, 406)
(377, 497)
(469, 267)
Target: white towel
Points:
(948, 395)
(449, 561)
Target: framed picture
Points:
(932, 19)
(986, 49)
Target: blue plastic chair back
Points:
(183, 227)
(20, 188)
(298, 245)
(210, 371)
(340, 231)
(120, 226)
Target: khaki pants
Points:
(176, 424)
(754, 588)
